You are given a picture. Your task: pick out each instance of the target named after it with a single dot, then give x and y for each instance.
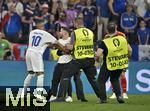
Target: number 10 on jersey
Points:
(36, 40)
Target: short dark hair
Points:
(111, 27)
(66, 29)
(37, 22)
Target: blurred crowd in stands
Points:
(18, 18)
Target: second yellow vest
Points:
(117, 57)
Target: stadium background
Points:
(12, 66)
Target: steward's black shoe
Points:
(120, 99)
(60, 99)
(84, 100)
(103, 101)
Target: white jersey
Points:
(38, 42)
(64, 58)
(39, 39)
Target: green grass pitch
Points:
(134, 103)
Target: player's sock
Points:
(40, 82)
(124, 84)
(26, 84)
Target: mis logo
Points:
(15, 100)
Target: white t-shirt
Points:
(39, 39)
(141, 7)
(64, 58)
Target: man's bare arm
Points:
(129, 50)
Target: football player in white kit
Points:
(39, 40)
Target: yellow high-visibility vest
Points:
(54, 55)
(84, 46)
(117, 57)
